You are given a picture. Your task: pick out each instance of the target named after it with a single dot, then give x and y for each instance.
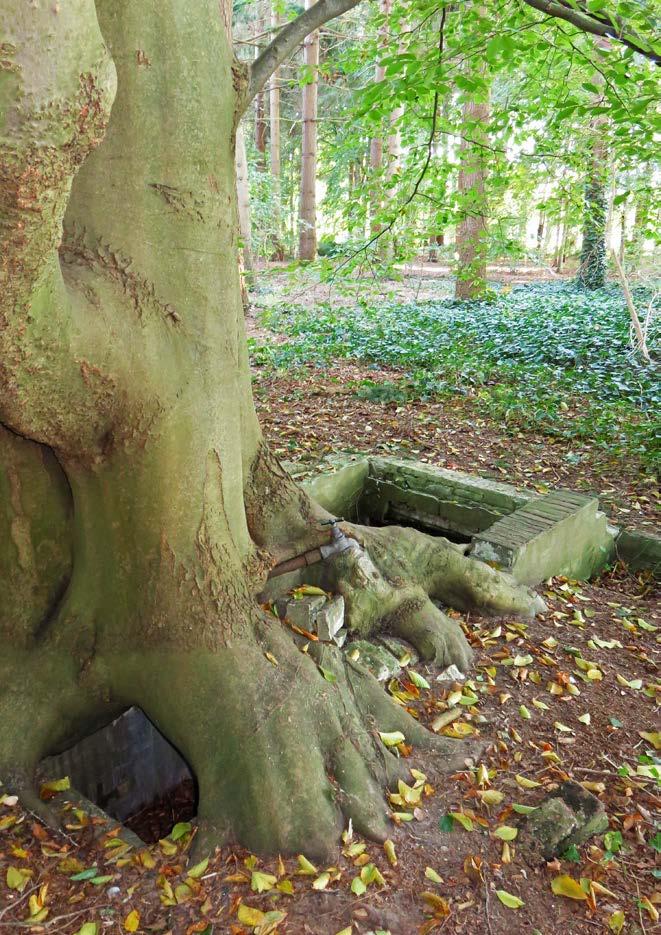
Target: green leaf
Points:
(418, 680)
(446, 823)
(180, 829)
(85, 874)
(572, 854)
(509, 900)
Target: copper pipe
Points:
(293, 564)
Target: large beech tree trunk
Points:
(140, 510)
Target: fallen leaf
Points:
(567, 886)
(509, 900)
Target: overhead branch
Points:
(290, 37)
(599, 24)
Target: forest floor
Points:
(544, 718)
(573, 694)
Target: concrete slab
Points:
(562, 533)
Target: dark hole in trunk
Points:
(132, 772)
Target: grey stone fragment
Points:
(400, 649)
(569, 816)
(451, 674)
(329, 618)
(302, 613)
(381, 663)
(547, 828)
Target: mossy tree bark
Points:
(592, 267)
(140, 510)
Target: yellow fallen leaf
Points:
(491, 797)
(305, 868)
(567, 886)
(647, 905)
(262, 882)
(132, 921)
(506, 833)
(437, 903)
(322, 881)
(463, 820)
(431, 874)
(197, 871)
(654, 737)
(527, 783)
(248, 915)
(616, 922)
(17, 878)
(389, 848)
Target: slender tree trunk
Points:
(307, 244)
(592, 268)
(243, 206)
(260, 106)
(376, 142)
(140, 510)
(275, 147)
(471, 279)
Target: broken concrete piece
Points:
(569, 816)
(451, 674)
(302, 613)
(402, 650)
(329, 618)
(381, 663)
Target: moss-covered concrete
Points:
(562, 533)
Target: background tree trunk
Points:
(260, 107)
(307, 244)
(592, 268)
(243, 199)
(471, 240)
(376, 142)
(275, 148)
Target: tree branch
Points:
(597, 24)
(290, 37)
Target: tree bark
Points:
(275, 147)
(471, 281)
(260, 108)
(140, 510)
(243, 202)
(307, 243)
(592, 268)
(376, 142)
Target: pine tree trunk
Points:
(307, 243)
(140, 510)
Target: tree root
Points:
(391, 581)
